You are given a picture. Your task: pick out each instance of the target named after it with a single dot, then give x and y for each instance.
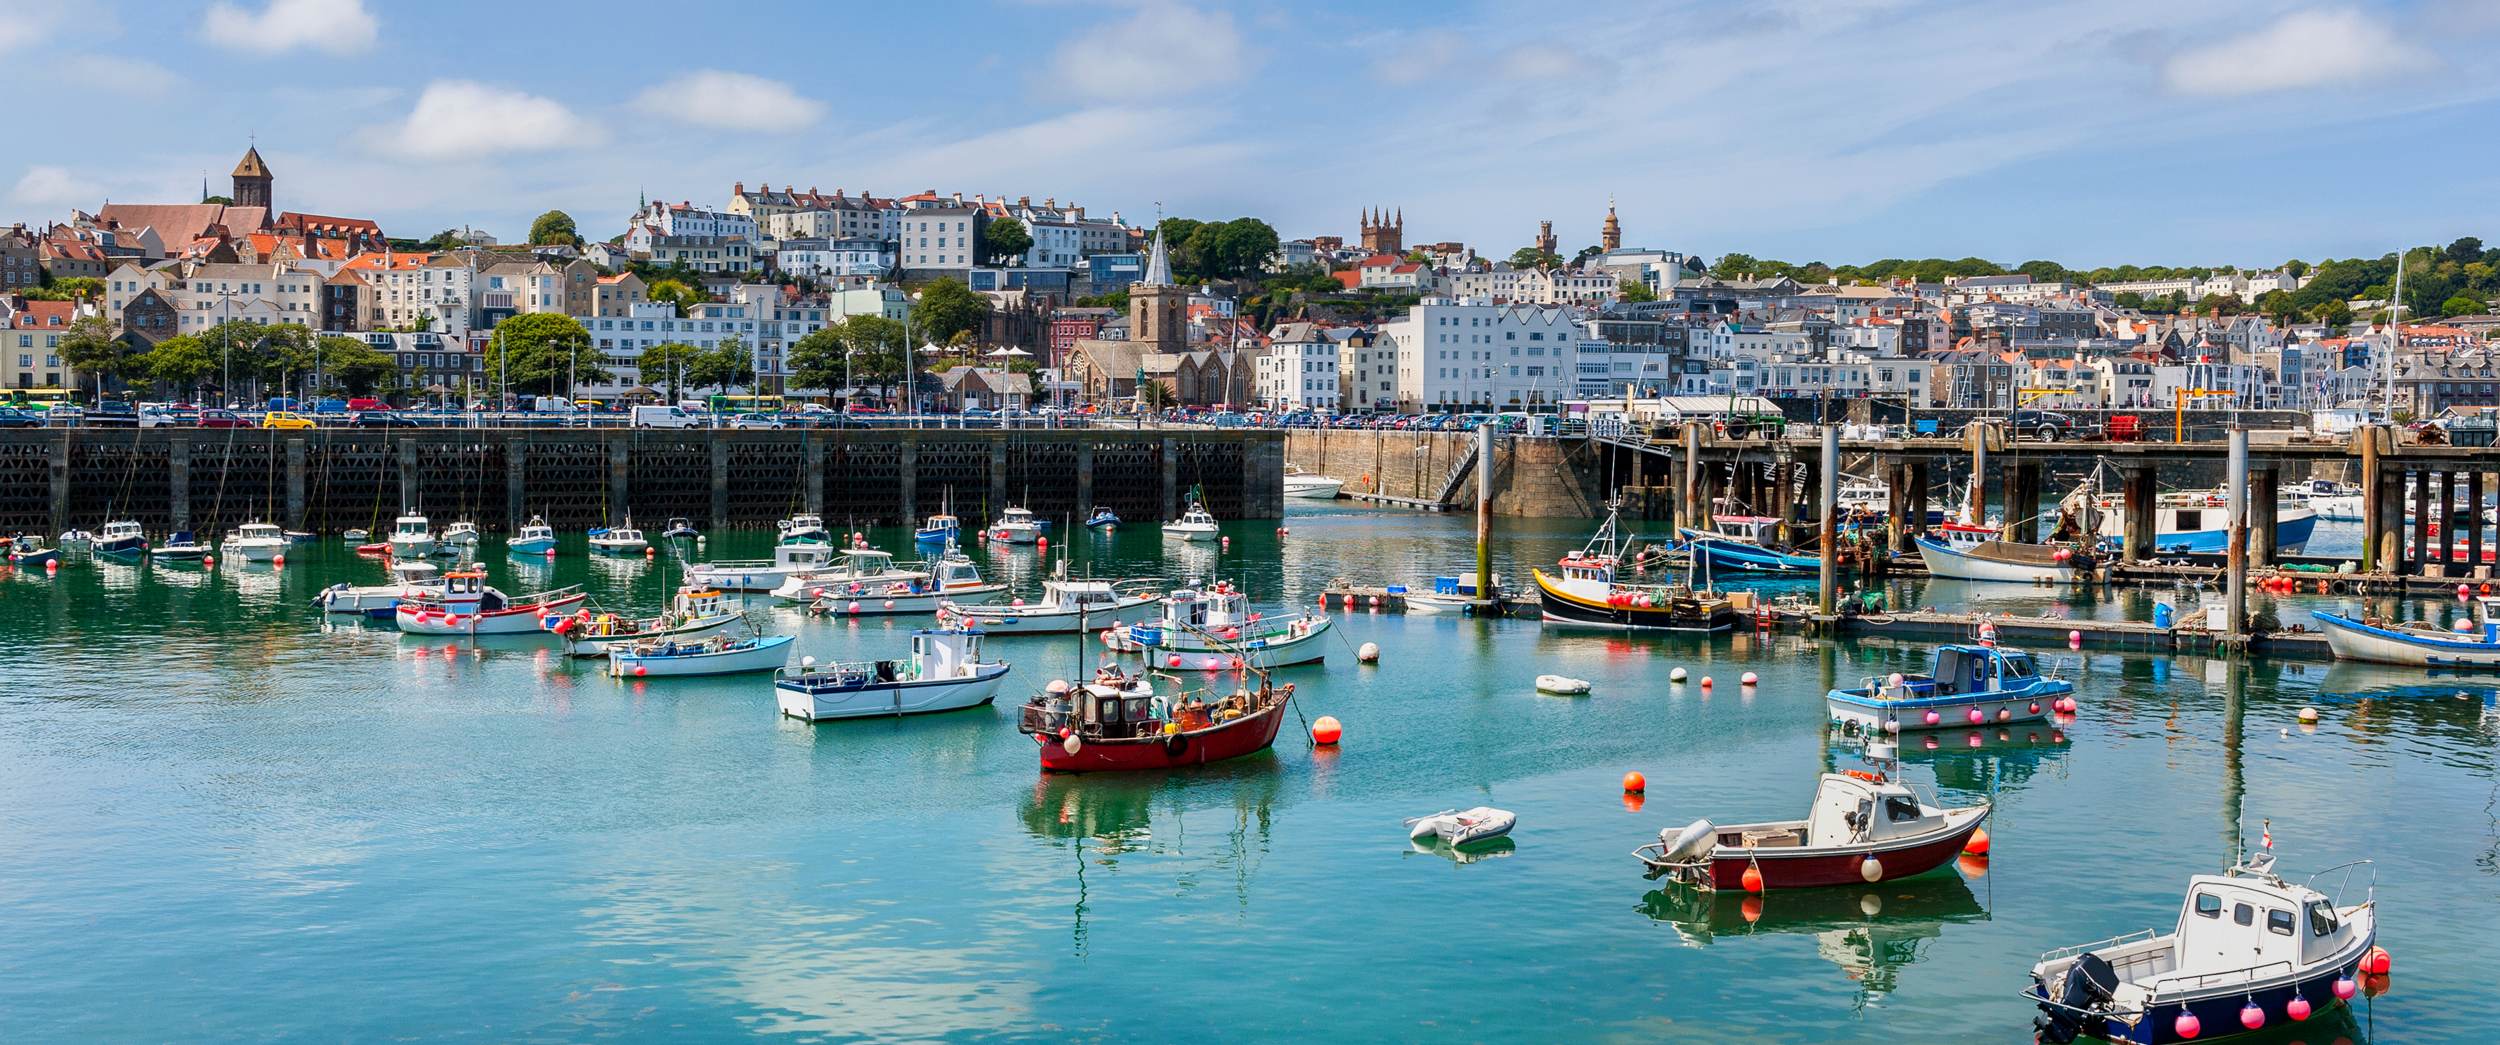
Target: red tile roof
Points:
(37, 315)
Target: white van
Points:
(553, 405)
(664, 417)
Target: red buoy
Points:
(1634, 783)
(2378, 962)
(1978, 843)
(1753, 879)
(1327, 731)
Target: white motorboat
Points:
(945, 673)
(462, 534)
(254, 542)
(802, 527)
(466, 605)
(789, 557)
(2250, 950)
(1215, 627)
(618, 540)
(719, 655)
(1449, 594)
(2419, 644)
(2199, 523)
(1066, 606)
(1196, 524)
(1299, 483)
(857, 571)
(1456, 828)
(380, 600)
(122, 537)
(355, 535)
(535, 537)
(1015, 526)
(694, 613)
(1562, 685)
(412, 536)
(952, 578)
(1991, 560)
(77, 542)
(2333, 501)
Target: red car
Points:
(223, 419)
(358, 406)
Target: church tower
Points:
(1383, 234)
(251, 182)
(1611, 237)
(1158, 311)
(1545, 241)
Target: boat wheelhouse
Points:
(761, 574)
(1196, 524)
(255, 542)
(941, 528)
(534, 538)
(619, 540)
(1214, 627)
(802, 527)
(411, 536)
(462, 534)
(1015, 526)
(1967, 686)
(122, 537)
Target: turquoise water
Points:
(224, 819)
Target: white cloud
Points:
(1161, 50)
(713, 98)
(25, 22)
(134, 77)
(2305, 49)
(54, 187)
(456, 119)
(1550, 62)
(1410, 60)
(335, 26)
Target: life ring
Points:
(1176, 745)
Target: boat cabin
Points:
(1068, 595)
(1219, 605)
(956, 571)
(411, 526)
(125, 530)
(1963, 670)
(1582, 566)
(802, 556)
(1858, 807)
(1015, 517)
(258, 532)
(701, 602)
(2234, 922)
(861, 564)
(1755, 529)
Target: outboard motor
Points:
(2087, 986)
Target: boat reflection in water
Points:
(1869, 932)
(1484, 850)
(1216, 828)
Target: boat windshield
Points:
(2018, 666)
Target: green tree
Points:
(179, 363)
(554, 227)
(948, 308)
(725, 365)
(2465, 250)
(2296, 268)
(2044, 271)
(2128, 299)
(2464, 305)
(675, 292)
(2279, 306)
(669, 364)
(2334, 312)
(1635, 291)
(1734, 266)
(355, 367)
(1003, 242)
(448, 239)
(226, 201)
(1534, 258)
(2220, 305)
(538, 352)
(90, 348)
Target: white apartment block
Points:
(834, 259)
(1367, 375)
(687, 219)
(1455, 353)
(1298, 375)
(939, 239)
(1056, 244)
(207, 295)
(622, 338)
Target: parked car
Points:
(215, 418)
(12, 417)
(286, 419)
(381, 419)
(2048, 425)
(363, 403)
(753, 421)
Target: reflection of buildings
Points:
(1869, 933)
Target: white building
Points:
(940, 240)
(687, 219)
(1455, 353)
(622, 339)
(1367, 373)
(1298, 371)
(1056, 244)
(207, 295)
(834, 259)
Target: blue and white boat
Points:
(183, 546)
(945, 673)
(1102, 519)
(2250, 952)
(1723, 553)
(534, 538)
(122, 537)
(28, 550)
(719, 656)
(2199, 523)
(1968, 686)
(2416, 643)
(941, 528)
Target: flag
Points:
(2265, 839)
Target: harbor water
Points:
(223, 817)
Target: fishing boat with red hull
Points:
(1863, 827)
(1117, 723)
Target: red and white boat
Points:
(1118, 723)
(1863, 827)
(466, 605)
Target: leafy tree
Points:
(2463, 305)
(538, 352)
(554, 227)
(179, 362)
(674, 292)
(880, 350)
(226, 201)
(2220, 305)
(2296, 268)
(90, 348)
(1635, 291)
(1203, 250)
(1533, 258)
(728, 364)
(2128, 299)
(2044, 271)
(2335, 313)
(1581, 259)
(2279, 306)
(1114, 299)
(1005, 241)
(948, 308)
(2466, 249)
(1732, 266)
(668, 364)
(357, 367)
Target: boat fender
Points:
(1176, 745)
(1690, 843)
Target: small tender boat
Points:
(945, 673)
(183, 546)
(380, 600)
(122, 537)
(254, 542)
(466, 605)
(2250, 950)
(942, 528)
(462, 534)
(680, 528)
(301, 536)
(27, 549)
(1102, 519)
(1299, 483)
(77, 542)
(535, 537)
(1196, 524)
(2416, 643)
(1450, 594)
(802, 527)
(1065, 606)
(618, 540)
(1015, 526)
(1561, 685)
(411, 536)
(1215, 627)
(1968, 686)
(1993, 560)
(1117, 722)
(761, 574)
(1862, 827)
(859, 572)
(695, 612)
(720, 655)
(1460, 829)
(354, 535)
(952, 578)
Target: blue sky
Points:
(2101, 132)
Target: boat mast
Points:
(2395, 341)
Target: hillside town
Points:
(944, 301)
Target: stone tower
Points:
(1611, 237)
(251, 181)
(1158, 311)
(1383, 234)
(1545, 240)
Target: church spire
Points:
(1158, 264)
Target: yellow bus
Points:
(37, 398)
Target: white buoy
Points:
(1750, 678)
(1676, 675)
(1369, 654)
(2309, 716)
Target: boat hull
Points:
(36, 558)
(999, 620)
(121, 546)
(2292, 529)
(1944, 560)
(1818, 869)
(1278, 650)
(875, 605)
(1720, 555)
(1247, 735)
(890, 699)
(2354, 640)
(532, 546)
(2217, 1013)
(763, 577)
(1313, 489)
(410, 548)
(769, 654)
(1561, 607)
(362, 601)
(256, 551)
(519, 620)
(1853, 709)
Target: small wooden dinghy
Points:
(1458, 829)
(1561, 685)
